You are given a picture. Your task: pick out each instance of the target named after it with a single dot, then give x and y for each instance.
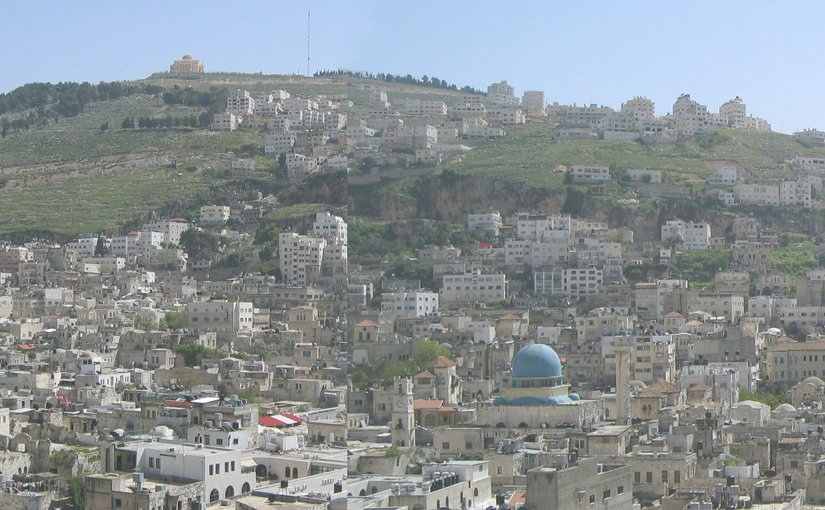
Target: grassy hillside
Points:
(72, 177)
(528, 154)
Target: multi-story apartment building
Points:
(723, 176)
(240, 103)
(589, 483)
(641, 108)
(730, 306)
(757, 194)
(225, 122)
(225, 472)
(220, 316)
(502, 93)
(733, 113)
(486, 222)
(473, 287)
(279, 143)
(690, 235)
(795, 194)
(784, 364)
(408, 305)
(300, 257)
(171, 229)
(589, 173)
(533, 103)
(535, 226)
(653, 358)
(330, 227)
(214, 214)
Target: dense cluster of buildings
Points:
(530, 370)
(637, 120)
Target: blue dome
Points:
(536, 361)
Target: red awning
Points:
(294, 417)
(271, 421)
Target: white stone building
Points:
(409, 305)
(300, 257)
(473, 287)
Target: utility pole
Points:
(308, 27)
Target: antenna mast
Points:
(308, 26)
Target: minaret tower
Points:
(403, 417)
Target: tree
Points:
(426, 351)
(145, 320)
(77, 490)
(282, 165)
(176, 320)
(100, 247)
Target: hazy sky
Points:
(767, 52)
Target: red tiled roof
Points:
(366, 323)
(180, 404)
(443, 362)
(427, 404)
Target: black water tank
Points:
(731, 480)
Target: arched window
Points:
(475, 492)
(294, 472)
(230, 491)
(363, 492)
(245, 488)
(286, 472)
(214, 495)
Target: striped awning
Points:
(278, 420)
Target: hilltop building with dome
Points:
(536, 395)
(187, 66)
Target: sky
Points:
(769, 53)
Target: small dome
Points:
(187, 57)
(574, 397)
(785, 408)
(536, 361)
(816, 381)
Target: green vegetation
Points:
(794, 261)
(194, 353)
(702, 265)
(392, 452)
(94, 203)
(424, 353)
(77, 490)
(772, 399)
(176, 320)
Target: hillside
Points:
(86, 173)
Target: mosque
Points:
(537, 396)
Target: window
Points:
(649, 477)
(445, 446)
(151, 462)
(637, 477)
(677, 476)
(620, 489)
(606, 494)
(664, 476)
(157, 463)
(211, 470)
(592, 498)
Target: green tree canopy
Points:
(176, 320)
(426, 351)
